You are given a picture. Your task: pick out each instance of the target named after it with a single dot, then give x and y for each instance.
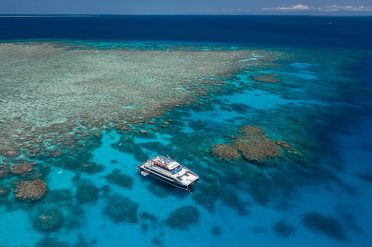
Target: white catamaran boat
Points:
(169, 171)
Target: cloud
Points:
(325, 8)
(296, 7)
(336, 8)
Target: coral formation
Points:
(252, 144)
(31, 190)
(329, 226)
(21, 169)
(3, 191)
(48, 220)
(255, 145)
(121, 209)
(91, 168)
(183, 217)
(119, 179)
(266, 78)
(4, 170)
(225, 151)
(86, 192)
(135, 88)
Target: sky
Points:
(211, 7)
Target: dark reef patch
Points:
(156, 241)
(216, 231)
(207, 195)
(283, 229)
(144, 227)
(114, 161)
(51, 242)
(351, 222)
(329, 226)
(121, 209)
(80, 160)
(3, 191)
(266, 78)
(366, 177)
(75, 218)
(127, 145)
(122, 180)
(158, 190)
(91, 168)
(48, 220)
(232, 199)
(149, 216)
(86, 192)
(62, 197)
(183, 217)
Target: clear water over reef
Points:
(279, 136)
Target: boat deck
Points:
(169, 171)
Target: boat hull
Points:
(165, 179)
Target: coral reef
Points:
(252, 144)
(121, 209)
(4, 170)
(31, 190)
(255, 145)
(183, 73)
(183, 217)
(91, 168)
(48, 220)
(21, 169)
(266, 78)
(86, 192)
(119, 179)
(329, 226)
(3, 191)
(225, 151)
(80, 161)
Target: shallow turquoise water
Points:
(238, 202)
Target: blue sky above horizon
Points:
(233, 7)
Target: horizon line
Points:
(250, 14)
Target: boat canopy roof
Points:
(165, 162)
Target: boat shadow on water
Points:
(163, 190)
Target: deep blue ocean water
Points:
(323, 104)
(305, 31)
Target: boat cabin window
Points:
(176, 170)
